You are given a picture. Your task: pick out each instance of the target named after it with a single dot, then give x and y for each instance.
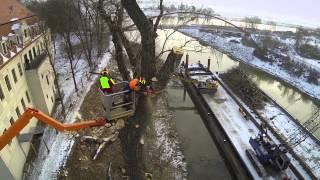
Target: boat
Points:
(202, 78)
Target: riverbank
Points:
(304, 146)
(245, 54)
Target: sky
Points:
(301, 12)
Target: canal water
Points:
(202, 156)
(297, 104)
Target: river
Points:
(297, 104)
(202, 156)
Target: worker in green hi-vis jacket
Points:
(106, 82)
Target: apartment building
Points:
(26, 80)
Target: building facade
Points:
(26, 79)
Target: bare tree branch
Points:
(155, 27)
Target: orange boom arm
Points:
(30, 113)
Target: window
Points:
(18, 41)
(11, 121)
(47, 79)
(20, 69)
(30, 55)
(4, 47)
(1, 93)
(23, 104)
(34, 52)
(51, 99)
(18, 112)
(28, 97)
(38, 49)
(14, 75)
(25, 33)
(6, 78)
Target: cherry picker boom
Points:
(18, 125)
(115, 106)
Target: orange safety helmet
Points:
(134, 84)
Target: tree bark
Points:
(70, 54)
(119, 56)
(172, 62)
(115, 30)
(145, 28)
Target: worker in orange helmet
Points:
(134, 85)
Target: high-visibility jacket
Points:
(106, 82)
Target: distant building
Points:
(26, 80)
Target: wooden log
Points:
(109, 176)
(101, 147)
(105, 141)
(171, 63)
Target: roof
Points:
(13, 10)
(10, 12)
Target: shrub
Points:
(308, 51)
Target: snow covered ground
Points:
(308, 149)
(238, 129)
(63, 142)
(245, 54)
(170, 147)
(47, 165)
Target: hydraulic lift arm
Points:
(30, 113)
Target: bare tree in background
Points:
(252, 22)
(48, 41)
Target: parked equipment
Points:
(267, 153)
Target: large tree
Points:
(148, 35)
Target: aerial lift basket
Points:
(119, 104)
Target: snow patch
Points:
(15, 26)
(169, 146)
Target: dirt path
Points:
(80, 164)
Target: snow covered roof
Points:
(13, 19)
(15, 26)
(4, 38)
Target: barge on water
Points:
(230, 129)
(201, 77)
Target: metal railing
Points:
(120, 103)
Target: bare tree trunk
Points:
(70, 54)
(48, 49)
(145, 28)
(85, 32)
(119, 56)
(172, 62)
(115, 29)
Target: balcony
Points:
(35, 63)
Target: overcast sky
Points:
(306, 12)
